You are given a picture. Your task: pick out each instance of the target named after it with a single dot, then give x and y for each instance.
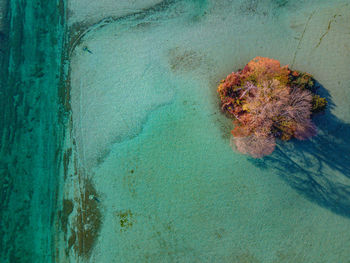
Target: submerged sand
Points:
(150, 137)
(90, 12)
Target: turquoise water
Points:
(147, 170)
(31, 130)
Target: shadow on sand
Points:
(319, 168)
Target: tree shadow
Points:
(319, 168)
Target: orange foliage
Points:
(267, 69)
(267, 101)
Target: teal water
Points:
(31, 130)
(150, 136)
(147, 172)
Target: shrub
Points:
(269, 102)
(318, 104)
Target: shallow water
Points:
(151, 138)
(149, 173)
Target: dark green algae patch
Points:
(126, 219)
(67, 209)
(80, 218)
(88, 220)
(84, 226)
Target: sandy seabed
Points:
(150, 137)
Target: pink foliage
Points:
(305, 130)
(266, 102)
(255, 146)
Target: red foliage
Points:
(241, 131)
(266, 69)
(266, 105)
(232, 80)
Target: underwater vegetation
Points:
(269, 102)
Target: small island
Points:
(269, 102)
